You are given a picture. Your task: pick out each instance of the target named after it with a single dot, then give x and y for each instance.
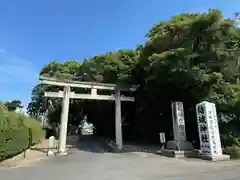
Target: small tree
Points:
(13, 105)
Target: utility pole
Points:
(237, 21)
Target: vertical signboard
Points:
(162, 138)
(178, 121)
(208, 129)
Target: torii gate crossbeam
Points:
(67, 95)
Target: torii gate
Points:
(67, 94)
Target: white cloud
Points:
(14, 69)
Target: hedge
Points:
(233, 151)
(35, 129)
(13, 142)
(10, 119)
(17, 133)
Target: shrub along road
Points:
(32, 156)
(17, 133)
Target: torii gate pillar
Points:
(118, 119)
(64, 121)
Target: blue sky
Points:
(33, 33)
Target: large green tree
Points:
(190, 58)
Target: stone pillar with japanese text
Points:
(179, 146)
(178, 121)
(209, 136)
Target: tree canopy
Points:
(13, 105)
(190, 58)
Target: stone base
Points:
(222, 157)
(179, 149)
(180, 154)
(50, 153)
(62, 153)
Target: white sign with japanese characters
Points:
(208, 129)
(162, 138)
(178, 121)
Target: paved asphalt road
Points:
(90, 161)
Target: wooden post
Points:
(64, 121)
(118, 120)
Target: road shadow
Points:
(96, 144)
(92, 143)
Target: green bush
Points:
(233, 151)
(9, 119)
(13, 142)
(13, 120)
(17, 133)
(35, 128)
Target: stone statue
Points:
(85, 127)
